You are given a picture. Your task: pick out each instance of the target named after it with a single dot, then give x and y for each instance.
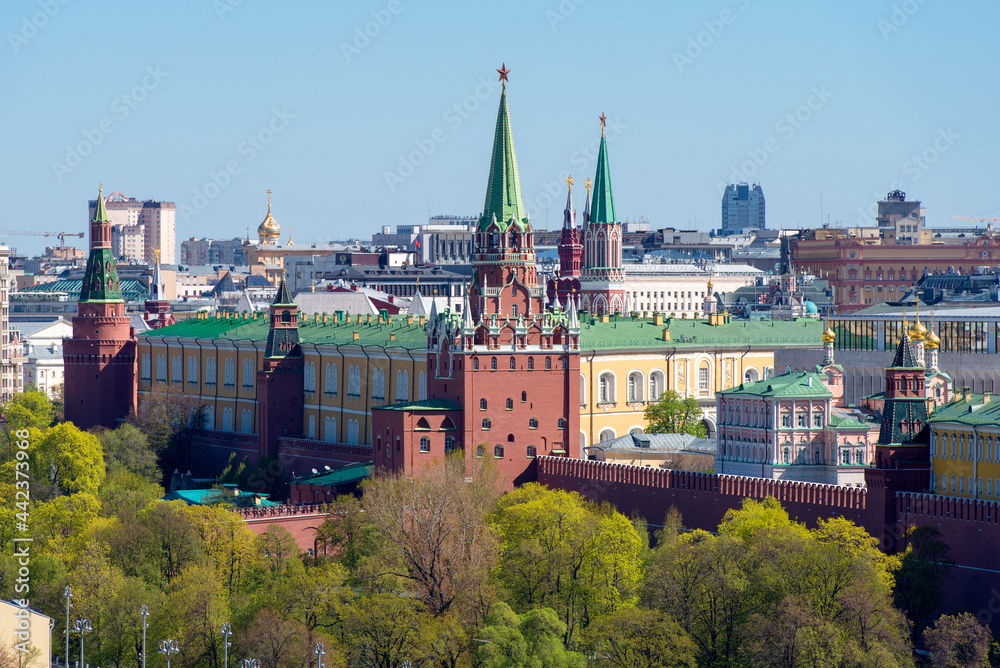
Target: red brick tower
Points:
(100, 381)
(566, 285)
(603, 279)
(279, 381)
(504, 376)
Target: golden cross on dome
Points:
(603, 121)
(569, 183)
(268, 199)
(587, 184)
(156, 254)
(503, 72)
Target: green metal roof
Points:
(848, 423)
(310, 332)
(602, 209)
(282, 298)
(131, 290)
(503, 192)
(626, 333)
(788, 385)
(198, 497)
(425, 405)
(972, 412)
(341, 476)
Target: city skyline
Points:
(355, 130)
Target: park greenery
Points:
(674, 414)
(448, 570)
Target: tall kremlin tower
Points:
(602, 283)
(566, 285)
(100, 377)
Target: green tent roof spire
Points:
(100, 213)
(283, 297)
(503, 192)
(602, 208)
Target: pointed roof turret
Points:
(100, 281)
(603, 206)
(503, 191)
(573, 320)
(586, 206)
(905, 359)
(467, 313)
(555, 303)
(157, 288)
(569, 213)
(283, 297)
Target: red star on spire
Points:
(503, 72)
(603, 120)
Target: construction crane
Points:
(36, 233)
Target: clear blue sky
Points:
(887, 81)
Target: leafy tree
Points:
(531, 640)
(434, 529)
(639, 638)
(60, 525)
(277, 641)
(959, 641)
(674, 414)
(280, 552)
(125, 493)
(170, 419)
(171, 537)
(30, 409)
(381, 631)
(128, 448)
(347, 534)
(313, 597)
(920, 581)
(195, 608)
(559, 551)
(69, 460)
(229, 545)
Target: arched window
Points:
(146, 367)
(531, 451)
(312, 426)
(655, 385)
(493, 363)
(482, 404)
(607, 435)
(533, 423)
(565, 363)
(230, 372)
(475, 364)
(606, 385)
(330, 380)
(524, 396)
(480, 451)
(425, 444)
(751, 375)
(486, 424)
(248, 373)
(635, 386)
(583, 390)
(548, 363)
(330, 429)
(562, 423)
(210, 369)
(498, 451)
(192, 370)
(175, 369)
(449, 444)
(531, 364)
(422, 386)
(209, 417)
(513, 364)
(246, 420)
(510, 404)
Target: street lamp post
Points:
(227, 630)
(68, 594)
(169, 647)
(83, 627)
(319, 652)
(250, 663)
(144, 611)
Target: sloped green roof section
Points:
(602, 207)
(971, 412)
(905, 359)
(310, 332)
(283, 297)
(425, 405)
(341, 476)
(503, 192)
(131, 289)
(621, 333)
(800, 384)
(100, 282)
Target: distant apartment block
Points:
(742, 208)
(140, 228)
(212, 251)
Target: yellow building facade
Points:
(965, 447)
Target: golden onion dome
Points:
(917, 331)
(932, 340)
(269, 230)
(829, 335)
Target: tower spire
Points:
(586, 206)
(603, 206)
(503, 191)
(569, 213)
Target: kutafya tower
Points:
(100, 357)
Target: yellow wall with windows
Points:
(961, 467)
(692, 373)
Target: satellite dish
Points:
(327, 468)
(315, 472)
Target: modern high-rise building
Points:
(12, 362)
(900, 220)
(140, 228)
(742, 208)
(212, 251)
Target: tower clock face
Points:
(388, 450)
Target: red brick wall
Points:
(301, 521)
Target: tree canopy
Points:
(674, 414)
